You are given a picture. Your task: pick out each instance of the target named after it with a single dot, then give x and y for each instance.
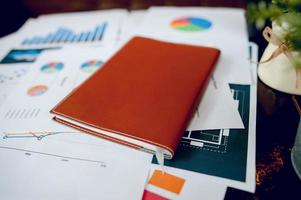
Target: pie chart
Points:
(52, 67)
(37, 90)
(191, 24)
(91, 66)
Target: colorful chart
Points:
(91, 66)
(66, 35)
(52, 67)
(37, 90)
(191, 24)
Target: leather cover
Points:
(147, 91)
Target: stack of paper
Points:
(52, 54)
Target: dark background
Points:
(277, 117)
(13, 13)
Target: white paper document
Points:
(217, 110)
(207, 25)
(79, 28)
(43, 159)
(226, 156)
(194, 188)
(222, 28)
(131, 24)
(50, 79)
(70, 166)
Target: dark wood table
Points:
(277, 122)
(276, 128)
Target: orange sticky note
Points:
(167, 181)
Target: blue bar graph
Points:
(65, 35)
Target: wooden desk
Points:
(277, 122)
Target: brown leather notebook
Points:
(144, 96)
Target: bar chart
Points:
(65, 35)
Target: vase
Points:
(279, 73)
(296, 152)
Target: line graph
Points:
(36, 135)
